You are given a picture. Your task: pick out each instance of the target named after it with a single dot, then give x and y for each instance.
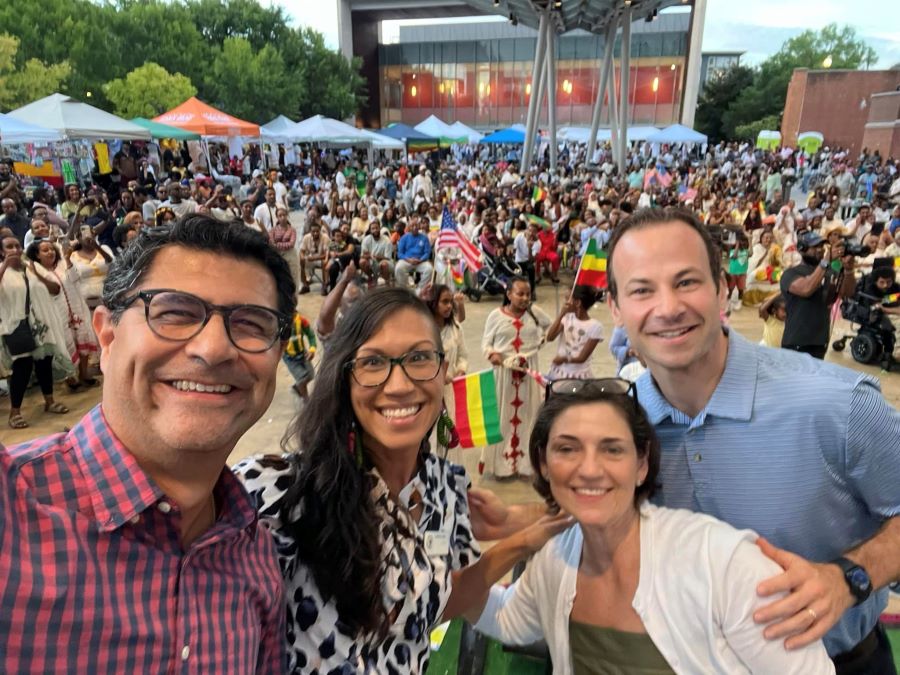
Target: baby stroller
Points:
(876, 336)
(493, 278)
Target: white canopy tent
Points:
(13, 130)
(460, 129)
(380, 142)
(76, 120)
(437, 128)
(279, 130)
(677, 133)
(320, 129)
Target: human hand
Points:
(348, 274)
(486, 510)
(818, 596)
(848, 261)
(459, 299)
(567, 308)
(496, 359)
(544, 529)
(559, 360)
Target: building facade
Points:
(480, 73)
(714, 64)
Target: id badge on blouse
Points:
(437, 543)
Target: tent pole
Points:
(601, 88)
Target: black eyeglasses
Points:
(373, 370)
(179, 316)
(609, 385)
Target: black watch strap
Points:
(857, 578)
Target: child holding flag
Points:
(579, 336)
(298, 354)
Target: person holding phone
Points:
(90, 262)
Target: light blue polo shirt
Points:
(804, 452)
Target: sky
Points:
(758, 27)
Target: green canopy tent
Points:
(810, 141)
(159, 130)
(768, 140)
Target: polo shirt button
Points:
(185, 653)
(698, 457)
(165, 507)
(135, 520)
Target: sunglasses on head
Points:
(609, 385)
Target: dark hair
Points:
(432, 302)
(645, 439)
(657, 216)
(586, 294)
(338, 530)
(32, 251)
(200, 233)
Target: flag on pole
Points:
(477, 409)
(539, 194)
(457, 273)
(891, 299)
(450, 237)
(592, 270)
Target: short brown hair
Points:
(658, 216)
(645, 439)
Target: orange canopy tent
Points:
(195, 115)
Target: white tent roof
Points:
(583, 134)
(279, 130)
(319, 129)
(13, 130)
(460, 129)
(77, 120)
(433, 126)
(383, 142)
(677, 133)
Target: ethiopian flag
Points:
(539, 194)
(477, 410)
(592, 271)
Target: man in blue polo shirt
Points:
(413, 253)
(805, 453)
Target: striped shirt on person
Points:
(94, 578)
(805, 453)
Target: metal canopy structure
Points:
(552, 18)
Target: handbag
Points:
(21, 340)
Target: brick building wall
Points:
(833, 102)
(882, 131)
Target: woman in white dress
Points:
(579, 336)
(90, 263)
(25, 296)
(72, 310)
(512, 336)
(449, 311)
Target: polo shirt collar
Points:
(733, 397)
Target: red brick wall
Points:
(829, 102)
(882, 131)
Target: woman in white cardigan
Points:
(631, 587)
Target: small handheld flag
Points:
(450, 237)
(592, 270)
(539, 194)
(477, 409)
(890, 299)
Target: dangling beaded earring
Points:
(354, 445)
(447, 436)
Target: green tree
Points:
(749, 132)
(332, 84)
(715, 98)
(809, 49)
(31, 81)
(148, 91)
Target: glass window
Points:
(448, 52)
(506, 50)
(410, 53)
(587, 47)
(525, 48)
(426, 52)
(566, 47)
(465, 52)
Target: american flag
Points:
(450, 236)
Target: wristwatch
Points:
(824, 264)
(856, 577)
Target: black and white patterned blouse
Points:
(415, 573)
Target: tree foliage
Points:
(749, 132)
(766, 96)
(715, 98)
(29, 81)
(148, 91)
(239, 54)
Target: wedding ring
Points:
(813, 614)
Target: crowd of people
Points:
(699, 516)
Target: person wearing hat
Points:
(809, 290)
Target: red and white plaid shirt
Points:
(93, 578)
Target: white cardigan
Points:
(696, 597)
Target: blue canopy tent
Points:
(509, 135)
(677, 133)
(415, 140)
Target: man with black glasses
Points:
(126, 545)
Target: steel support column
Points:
(534, 101)
(623, 96)
(550, 62)
(605, 70)
(613, 108)
(692, 67)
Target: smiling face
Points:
(47, 255)
(150, 395)
(667, 299)
(592, 464)
(399, 413)
(445, 305)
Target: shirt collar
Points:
(733, 396)
(120, 489)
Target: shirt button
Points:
(185, 653)
(135, 520)
(697, 457)
(165, 507)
